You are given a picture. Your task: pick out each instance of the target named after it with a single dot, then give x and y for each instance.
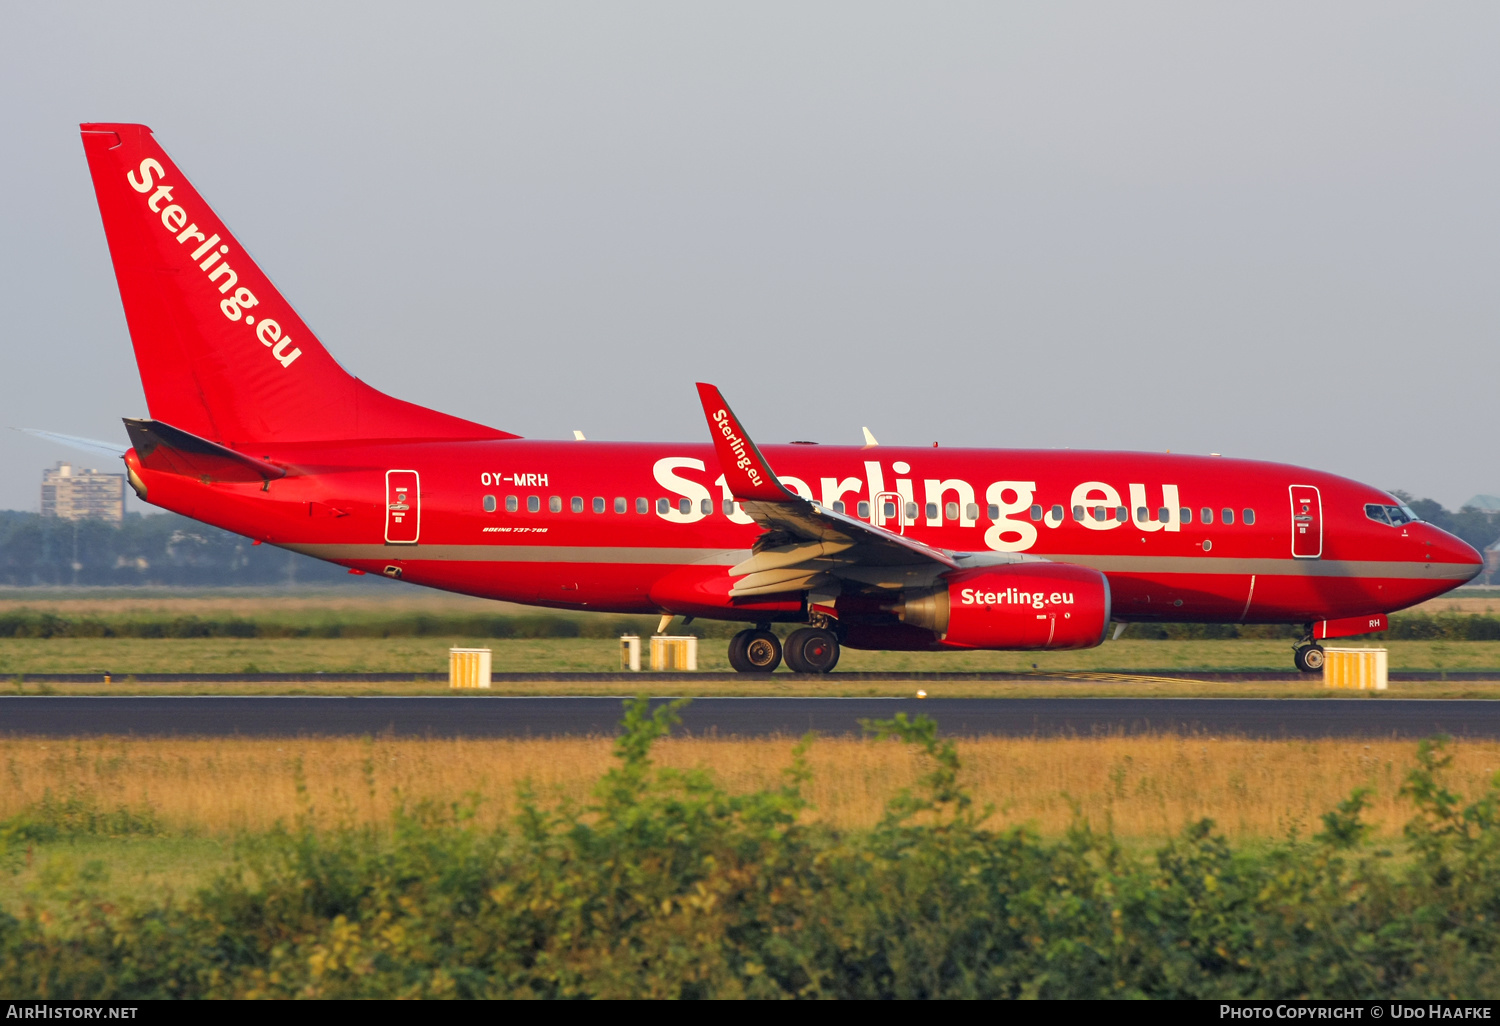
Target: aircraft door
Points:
(888, 513)
(1307, 522)
(403, 507)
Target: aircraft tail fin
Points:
(222, 355)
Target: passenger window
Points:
(1164, 515)
(1226, 515)
(1249, 517)
(1186, 514)
(888, 510)
(511, 504)
(706, 506)
(993, 511)
(1057, 514)
(1099, 514)
(728, 507)
(598, 504)
(950, 511)
(1078, 513)
(489, 504)
(577, 504)
(911, 512)
(619, 504)
(838, 507)
(1140, 514)
(685, 506)
(1122, 514)
(662, 505)
(971, 511)
(533, 503)
(931, 511)
(554, 504)
(1207, 515)
(1377, 513)
(863, 509)
(1036, 512)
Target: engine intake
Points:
(1022, 606)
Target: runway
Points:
(912, 677)
(496, 716)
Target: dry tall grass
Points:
(1147, 787)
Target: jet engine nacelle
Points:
(1020, 606)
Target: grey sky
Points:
(1264, 230)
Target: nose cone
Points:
(1452, 559)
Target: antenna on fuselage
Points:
(578, 437)
(869, 438)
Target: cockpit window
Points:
(1393, 515)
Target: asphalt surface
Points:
(660, 678)
(496, 716)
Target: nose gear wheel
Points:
(1310, 658)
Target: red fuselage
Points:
(636, 528)
(256, 428)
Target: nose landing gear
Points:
(1309, 657)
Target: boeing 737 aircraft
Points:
(254, 428)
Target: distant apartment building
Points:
(82, 494)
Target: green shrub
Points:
(666, 885)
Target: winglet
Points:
(746, 471)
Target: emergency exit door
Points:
(888, 512)
(403, 507)
(1307, 522)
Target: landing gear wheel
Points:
(1310, 658)
(811, 650)
(755, 651)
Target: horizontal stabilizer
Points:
(171, 450)
(88, 445)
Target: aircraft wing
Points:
(805, 546)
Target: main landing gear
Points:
(812, 650)
(807, 650)
(755, 651)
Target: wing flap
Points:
(776, 557)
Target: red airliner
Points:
(256, 429)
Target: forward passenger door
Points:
(1307, 522)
